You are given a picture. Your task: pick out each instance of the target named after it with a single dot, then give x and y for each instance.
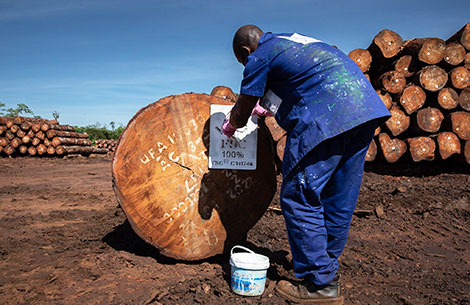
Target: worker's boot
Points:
(308, 293)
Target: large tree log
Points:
(36, 127)
(84, 150)
(171, 198)
(460, 77)
(70, 141)
(9, 135)
(398, 122)
(392, 149)
(462, 36)
(50, 150)
(428, 119)
(26, 126)
(224, 93)
(392, 81)
(406, 65)
(421, 148)
(464, 99)
(448, 98)
(66, 134)
(448, 144)
(467, 61)
(433, 78)
(454, 54)
(461, 124)
(412, 98)
(362, 58)
(26, 139)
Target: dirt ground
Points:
(65, 240)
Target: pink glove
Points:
(228, 129)
(260, 111)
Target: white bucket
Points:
(248, 272)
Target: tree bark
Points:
(422, 148)
(448, 98)
(433, 78)
(392, 149)
(171, 198)
(276, 131)
(66, 134)
(429, 119)
(398, 122)
(392, 81)
(412, 98)
(362, 58)
(461, 124)
(448, 144)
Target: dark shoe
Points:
(308, 293)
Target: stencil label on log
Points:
(237, 152)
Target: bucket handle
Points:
(243, 248)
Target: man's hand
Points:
(260, 111)
(228, 129)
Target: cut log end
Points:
(362, 58)
(422, 148)
(454, 54)
(429, 119)
(389, 43)
(393, 82)
(448, 144)
(433, 78)
(448, 98)
(398, 122)
(461, 124)
(412, 98)
(392, 149)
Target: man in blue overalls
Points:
(329, 111)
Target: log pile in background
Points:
(108, 144)
(425, 83)
(22, 136)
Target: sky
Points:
(100, 61)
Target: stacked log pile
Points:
(108, 144)
(425, 83)
(22, 136)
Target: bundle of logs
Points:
(108, 144)
(22, 136)
(425, 83)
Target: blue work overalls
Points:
(330, 111)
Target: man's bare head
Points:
(245, 42)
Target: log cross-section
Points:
(171, 198)
(392, 149)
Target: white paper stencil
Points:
(237, 152)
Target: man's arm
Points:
(242, 110)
